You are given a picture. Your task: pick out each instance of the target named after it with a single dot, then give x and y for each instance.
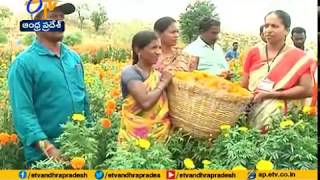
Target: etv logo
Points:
(48, 4)
(43, 25)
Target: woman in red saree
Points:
(276, 72)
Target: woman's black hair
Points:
(141, 40)
(284, 16)
(162, 24)
(261, 29)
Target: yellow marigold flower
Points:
(239, 167)
(225, 127)
(264, 165)
(286, 123)
(88, 80)
(78, 162)
(280, 104)
(311, 110)
(243, 129)
(78, 117)
(143, 143)
(306, 109)
(188, 163)
(206, 163)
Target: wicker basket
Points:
(200, 111)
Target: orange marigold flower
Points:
(313, 110)
(109, 111)
(110, 73)
(4, 138)
(78, 162)
(13, 138)
(111, 104)
(115, 93)
(101, 74)
(106, 123)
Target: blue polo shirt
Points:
(45, 90)
(232, 54)
(210, 59)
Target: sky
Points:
(243, 16)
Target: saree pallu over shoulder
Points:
(138, 123)
(178, 61)
(285, 72)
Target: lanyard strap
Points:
(269, 65)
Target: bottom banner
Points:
(158, 174)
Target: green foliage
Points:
(99, 56)
(96, 93)
(11, 156)
(73, 39)
(3, 37)
(81, 10)
(214, 166)
(78, 140)
(189, 20)
(239, 148)
(98, 17)
(111, 53)
(120, 54)
(85, 58)
(183, 146)
(28, 38)
(131, 156)
(6, 124)
(287, 148)
(5, 12)
(293, 147)
(49, 164)
(107, 139)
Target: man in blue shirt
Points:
(46, 84)
(233, 53)
(211, 55)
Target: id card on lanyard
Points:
(266, 85)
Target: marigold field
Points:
(291, 143)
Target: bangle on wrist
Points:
(44, 145)
(49, 148)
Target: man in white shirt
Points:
(298, 36)
(211, 55)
